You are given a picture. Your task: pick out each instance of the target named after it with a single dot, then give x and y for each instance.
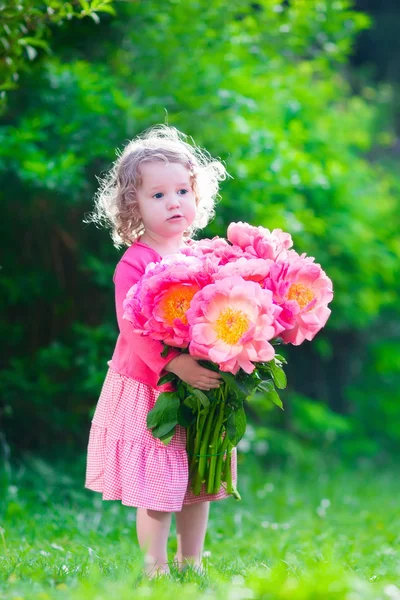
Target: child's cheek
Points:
(195, 207)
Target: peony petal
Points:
(204, 332)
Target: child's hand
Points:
(188, 369)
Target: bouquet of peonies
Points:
(227, 302)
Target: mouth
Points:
(175, 218)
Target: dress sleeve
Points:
(148, 350)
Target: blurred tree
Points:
(27, 28)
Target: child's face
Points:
(166, 200)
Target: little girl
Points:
(158, 193)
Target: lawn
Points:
(319, 532)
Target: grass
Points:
(299, 533)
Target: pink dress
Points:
(124, 461)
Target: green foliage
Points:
(374, 395)
(236, 425)
(45, 395)
(314, 422)
(262, 85)
(163, 418)
(236, 390)
(27, 28)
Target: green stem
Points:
(228, 475)
(220, 462)
(197, 429)
(202, 459)
(189, 440)
(215, 445)
(227, 470)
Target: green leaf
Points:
(164, 410)
(165, 439)
(185, 415)
(107, 9)
(103, 5)
(182, 390)
(191, 402)
(251, 387)
(274, 368)
(236, 426)
(32, 41)
(165, 350)
(270, 392)
(266, 385)
(166, 378)
(248, 381)
(278, 375)
(237, 385)
(207, 364)
(280, 359)
(232, 382)
(163, 430)
(233, 402)
(202, 397)
(274, 396)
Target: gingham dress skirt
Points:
(125, 462)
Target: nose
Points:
(173, 201)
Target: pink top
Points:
(135, 355)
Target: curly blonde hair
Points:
(116, 204)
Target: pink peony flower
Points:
(200, 248)
(227, 254)
(218, 250)
(303, 291)
(231, 323)
(251, 269)
(157, 304)
(259, 241)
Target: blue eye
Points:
(184, 192)
(158, 195)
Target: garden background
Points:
(300, 100)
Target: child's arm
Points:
(183, 365)
(149, 350)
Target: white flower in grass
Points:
(57, 547)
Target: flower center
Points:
(231, 325)
(176, 302)
(302, 294)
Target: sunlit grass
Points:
(321, 532)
